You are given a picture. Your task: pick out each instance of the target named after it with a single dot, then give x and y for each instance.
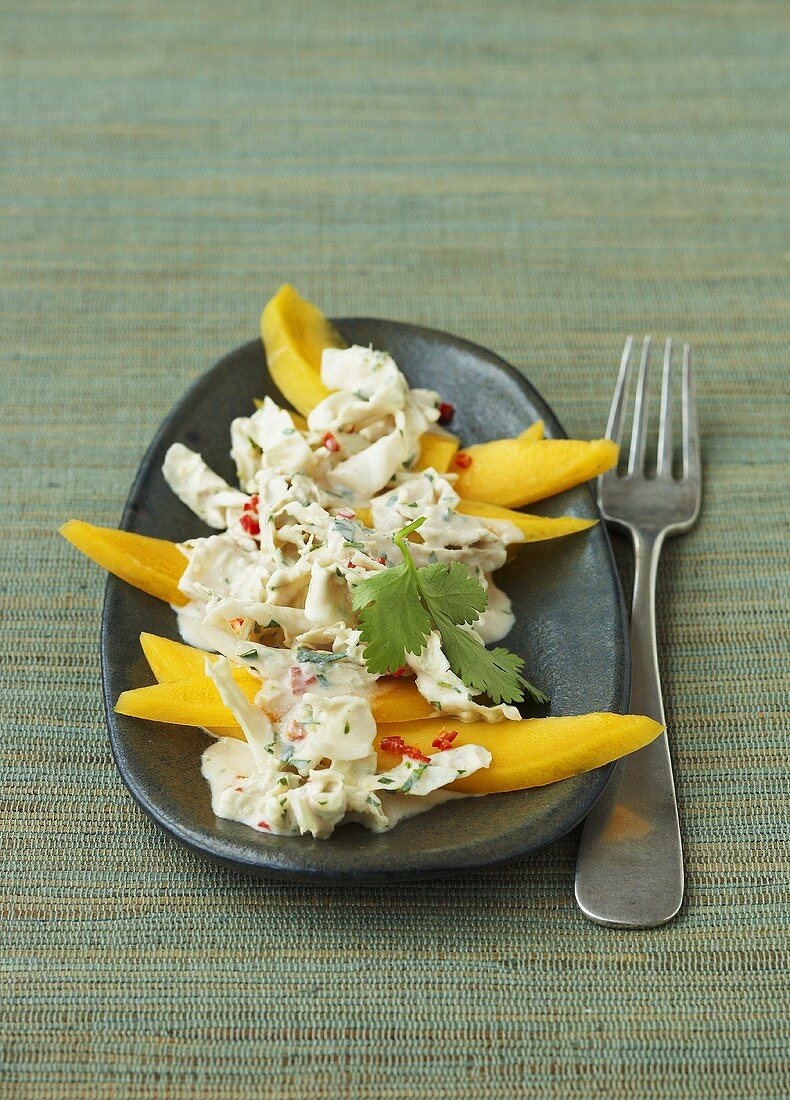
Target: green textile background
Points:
(541, 178)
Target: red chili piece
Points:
(264, 825)
(350, 564)
(463, 460)
(382, 561)
(298, 682)
(446, 412)
(330, 442)
(250, 524)
(393, 744)
(416, 754)
(400, 671)
(398, 747)
(252, 504)
(445, 739)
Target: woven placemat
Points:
(539, 178)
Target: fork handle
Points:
(629, 871)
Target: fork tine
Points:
(636, 459)
(664, 463)
(691, 456)
(614, 426)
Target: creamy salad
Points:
(271, 592)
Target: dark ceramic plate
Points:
(570, 627)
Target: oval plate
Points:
(571, 627)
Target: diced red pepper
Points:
(463, 460)
(350, 564)
(382, 561)
(252, 504)
(446, 412)
(416, 754)
(398, 747)
(250, 524)
(445, 739)
(298, 682)
(393, 744)
(400, 671)
(330, 442)
(265, 825)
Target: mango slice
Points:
(436, 451)
(399, 701)
(294, 334)
(533, 432)
(513, 473)
(533, 752)
(191, 702)
(153, 565)
(169, 660)
(533, 528)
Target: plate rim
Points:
(221, 851)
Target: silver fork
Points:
(629, 872)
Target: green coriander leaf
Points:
(399, 607)
(452, 590)
(392, 620)
(492, 672)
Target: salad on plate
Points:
(339, 630)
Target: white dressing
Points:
(272, 593)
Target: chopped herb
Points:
(318, 657)
(399, 607)
(415, 775)
(249, 654)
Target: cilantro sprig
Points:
(400, 606)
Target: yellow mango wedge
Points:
(294, 334)
(436, 451)
(169, 660)
(513, 473)
(533, 432)
(191, 702)
(533, 752)
(153, 565)
(399, 701)
(533, 528)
